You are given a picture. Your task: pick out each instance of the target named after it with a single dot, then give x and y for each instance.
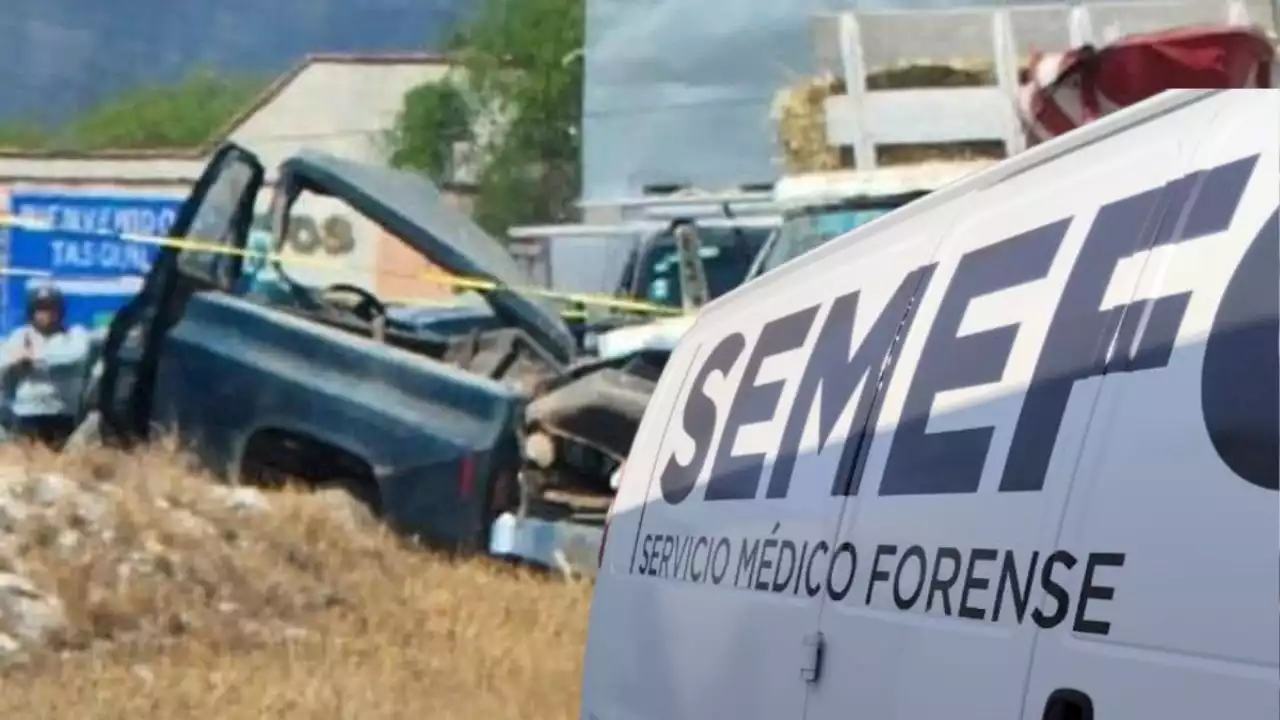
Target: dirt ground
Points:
(164, 595)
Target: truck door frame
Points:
(230, 183)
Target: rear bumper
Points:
(558, 545)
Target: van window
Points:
(811, 228)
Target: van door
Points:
(1173, 521)
(734, 551)
(961, 487)
(218, 211)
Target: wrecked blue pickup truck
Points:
(424, 424)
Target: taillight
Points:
(466, 476)
(500, 497)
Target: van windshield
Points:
(809, 228)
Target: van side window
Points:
(1067, 704)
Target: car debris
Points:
(578, 428)
(419, 417)
(430, 416)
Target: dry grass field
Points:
(155, 593)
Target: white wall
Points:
(343, 108)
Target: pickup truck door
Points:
(218, 211)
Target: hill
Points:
(132, 586)
(64, 56)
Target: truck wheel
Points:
(275, 458)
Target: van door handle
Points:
(811, 665)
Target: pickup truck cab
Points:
(420, 424)
(1011, 452)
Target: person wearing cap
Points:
(42, 367)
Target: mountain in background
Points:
(64, 56)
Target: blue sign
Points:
(82, 253)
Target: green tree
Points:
(180, 115)
(23, 134)
(520, 73)
(442, 107)
(184, 114)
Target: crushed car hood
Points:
(412, 209)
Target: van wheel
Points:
(275, 459)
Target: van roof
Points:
(1136, 114)
(820, 188)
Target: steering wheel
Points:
(368, 308)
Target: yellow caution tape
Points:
(458, 283)
(426, 302)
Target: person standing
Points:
(42, 367)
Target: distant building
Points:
(340, 104)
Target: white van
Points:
(1010, 452)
